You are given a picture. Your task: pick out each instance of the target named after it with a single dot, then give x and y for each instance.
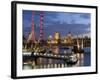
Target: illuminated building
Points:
(56, 35)
(64, 40)
(50, 38)
(69, 39)
(56, 39)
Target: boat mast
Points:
(78, 46)
(82, 43)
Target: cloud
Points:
(57, 22)
(64, 29)
(85, 16)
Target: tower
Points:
(57, 35)
(31, 37)
(41, 37)
(69, 39)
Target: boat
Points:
(72, 59)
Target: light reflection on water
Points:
(83, 58)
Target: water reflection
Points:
(83, 59)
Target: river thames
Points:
(84, 59)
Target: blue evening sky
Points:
(62, 22)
